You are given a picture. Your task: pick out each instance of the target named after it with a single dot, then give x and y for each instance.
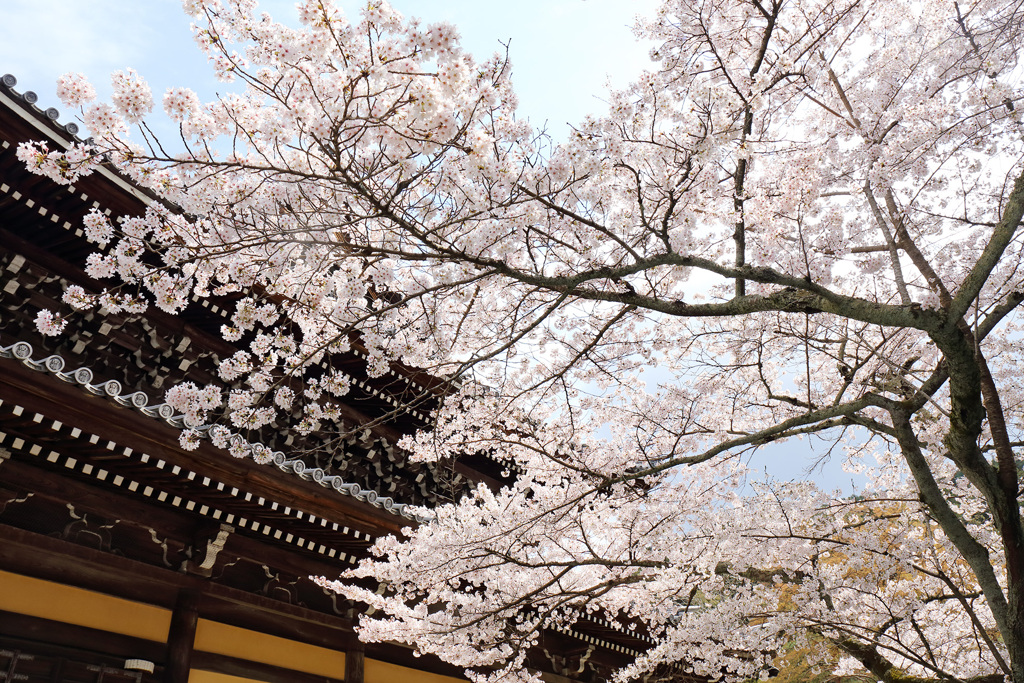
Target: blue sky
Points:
(562, 51)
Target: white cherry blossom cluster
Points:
(799, 225)
(97, 227)
(74, 90)
(49, 324)
(131, 95)
(63, 167)
(180, 103)
(194, 402)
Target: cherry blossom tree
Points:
(801, 223)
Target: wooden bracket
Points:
(206, 548)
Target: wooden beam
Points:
(21, 627)
(355, 661)
(87, 497)
(77, 642)
(57, 664)
(257, 671)
(279, 619)
(394, 653)
(282, 558)
(31, 554)
(139, 512)
(51, 559)
(181, 637)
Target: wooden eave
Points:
(42, 222)
(60, 402)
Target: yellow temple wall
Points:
(71, 605)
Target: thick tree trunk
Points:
(974, 401)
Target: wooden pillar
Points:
(181, 637)
(354, 660)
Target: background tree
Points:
(804, 221)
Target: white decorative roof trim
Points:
(260, 453)
(572, 633)
(53, 114)
(100, 474)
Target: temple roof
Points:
(90, 454)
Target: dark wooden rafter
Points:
(169, 348)
(113, 479)
(143, 358)
(149, 524)
(121, 425)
